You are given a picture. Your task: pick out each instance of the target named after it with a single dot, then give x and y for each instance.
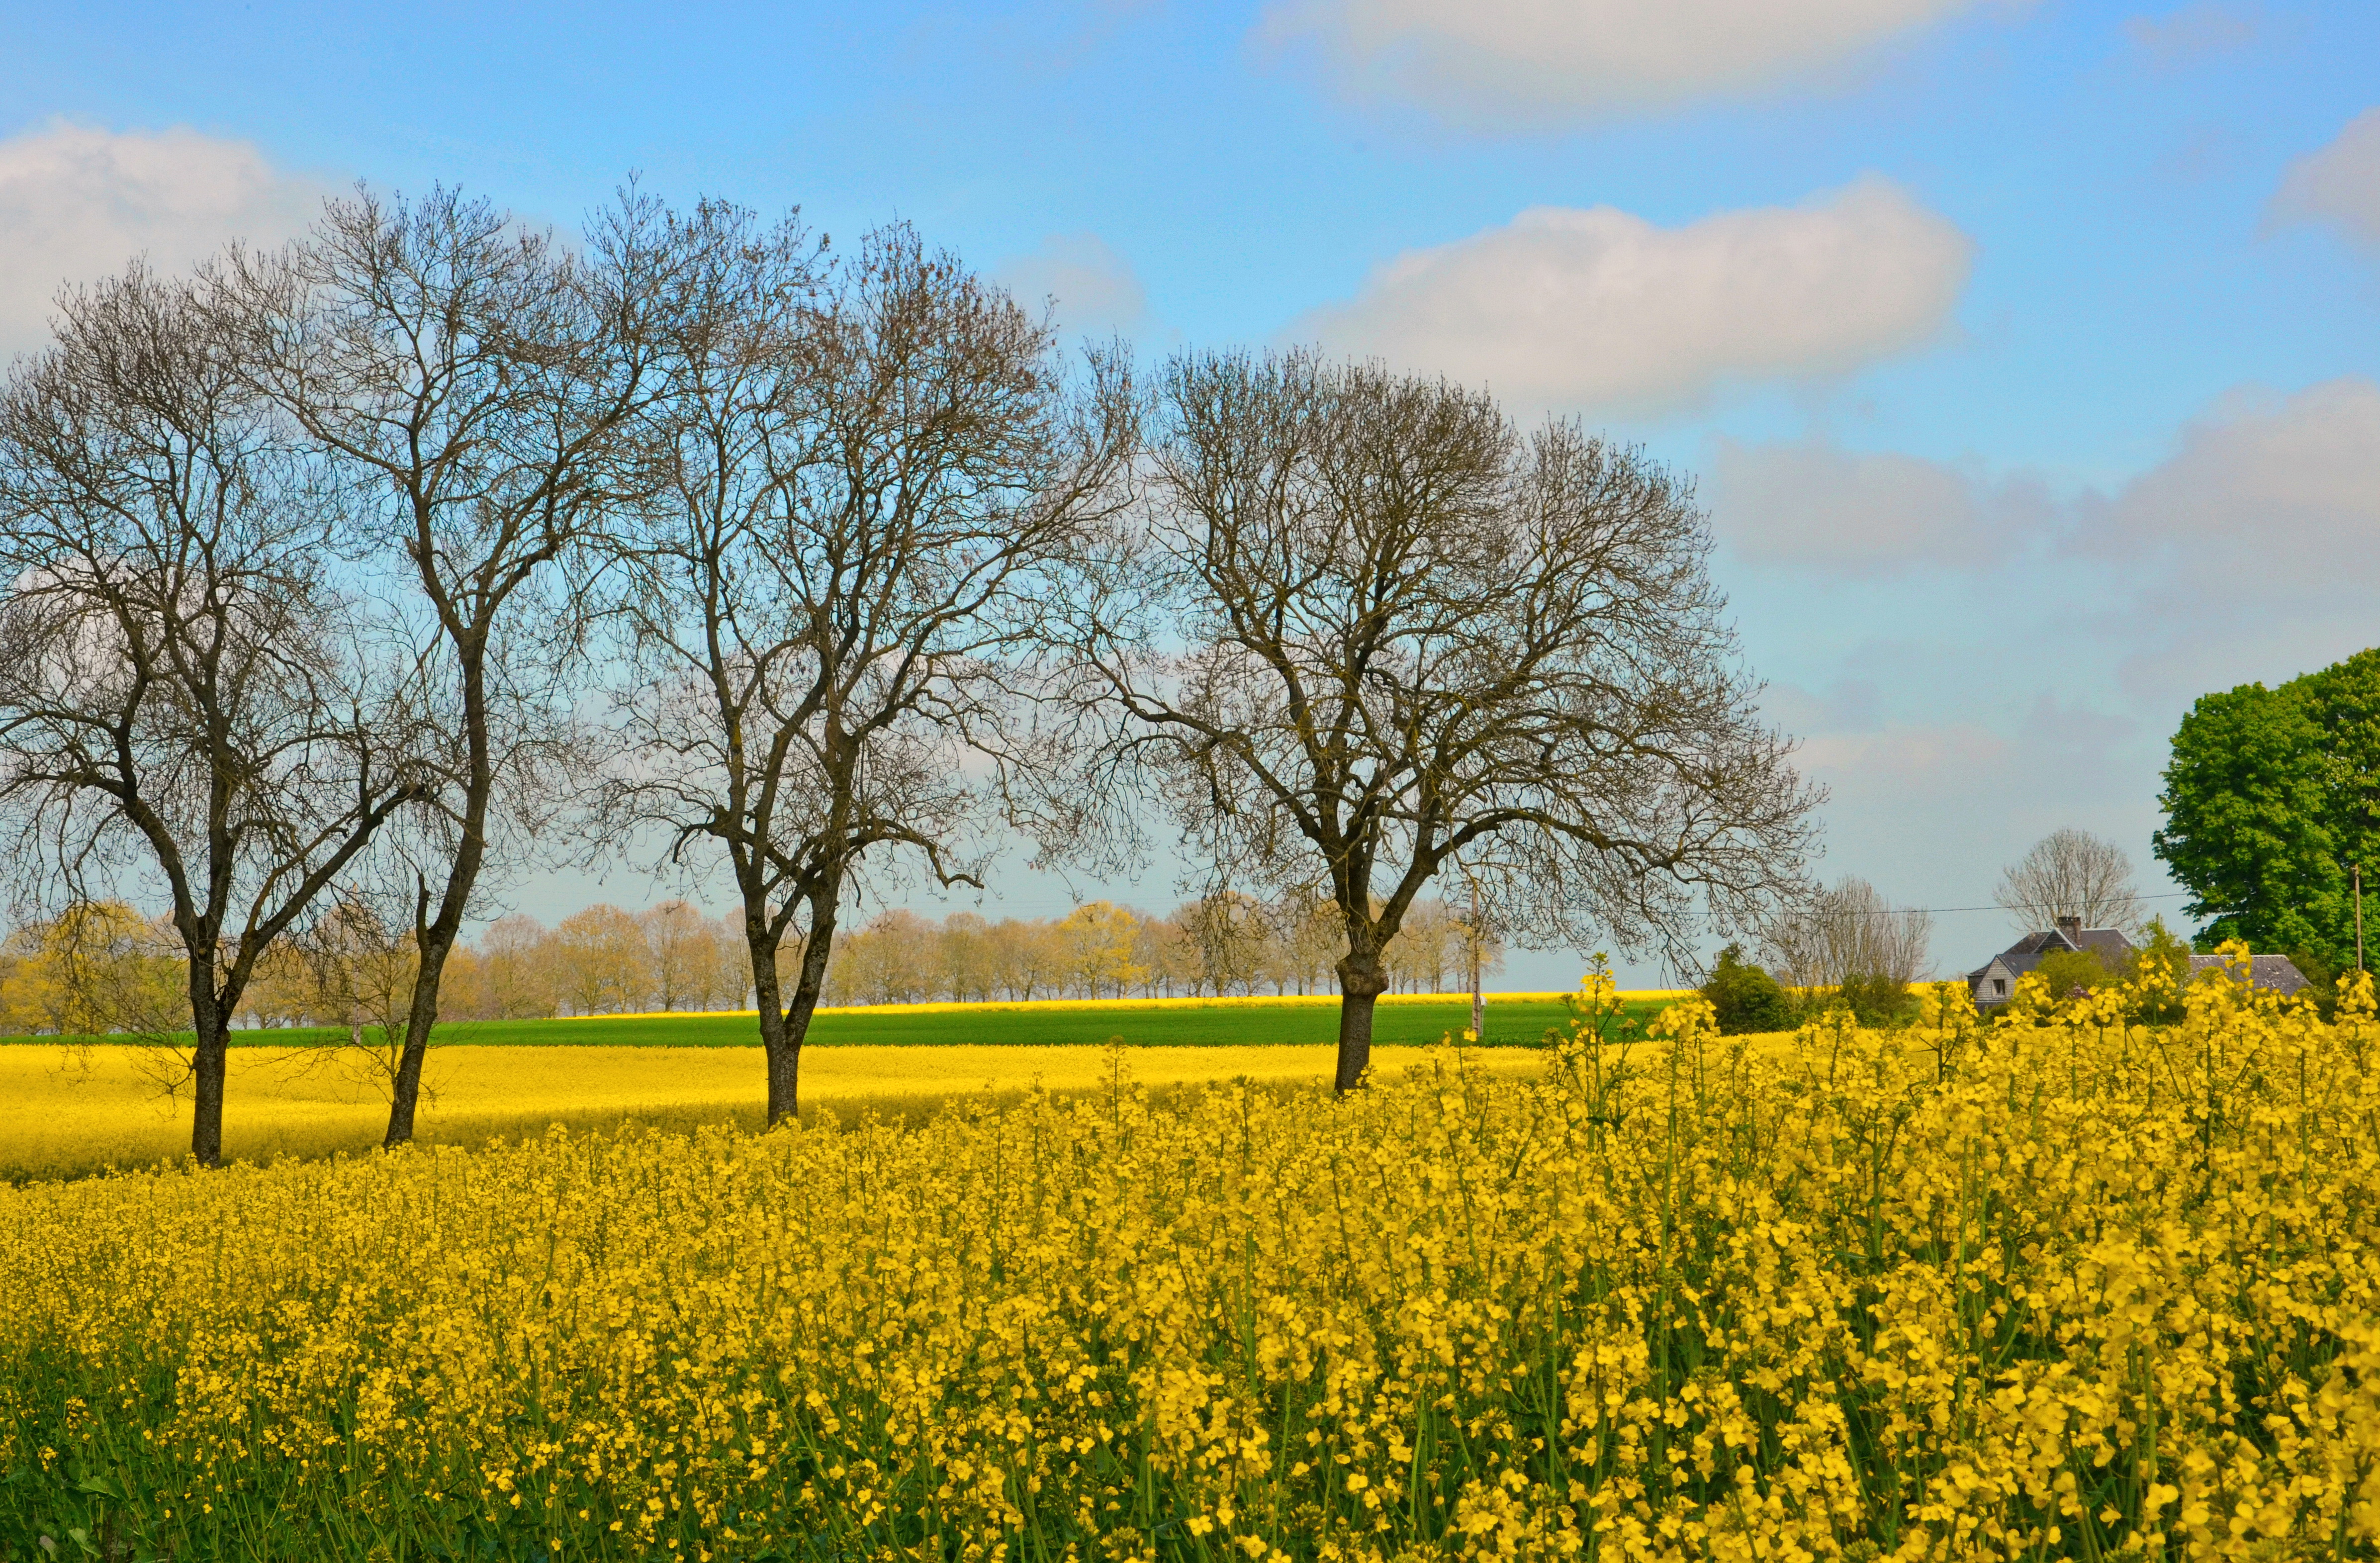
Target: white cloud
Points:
(2339, 185)
(1868, 513)
(2292, 482)
(1533, 61)
(78, 203)
(2249, 553)
(1847, 705)
(1601, 308)
(2264, 513)
(1096, 290)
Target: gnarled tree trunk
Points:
(1363, 977)
(210, 1019)
(784, 1029)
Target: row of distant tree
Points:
(106, 969)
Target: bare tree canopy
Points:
(2071, 873)
(1846, 933)
(465, 380)
(855, 488)
(184, 697)
(1362, 628)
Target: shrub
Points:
(2072, 974)
(2157, 972)
(2322, 979)
(1745, 997)
(1878, 1000)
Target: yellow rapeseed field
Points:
(2066, 1290)
(71, 1109)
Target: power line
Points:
(1897, 911)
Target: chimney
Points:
(2069, 927)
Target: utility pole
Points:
(1478, 1003)
(2357, 869)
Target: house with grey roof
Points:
(1994, 983)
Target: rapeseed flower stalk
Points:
(2068, 1288)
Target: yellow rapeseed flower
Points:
(2065, 1287)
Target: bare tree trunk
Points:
(807, 988)
(784, 1029)
(434, 940)
(208, 1019)
(783, 1065)
(1363, 977)
(405, 1090)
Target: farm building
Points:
(1994, 983)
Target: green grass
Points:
(1510, 1023)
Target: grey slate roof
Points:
(2108, 944)
(2276, 971)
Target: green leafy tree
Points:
(1745, 996)
(2069, 973)
(2322, 980)
(2257, 821)
(2344, 702)
(2160, 946)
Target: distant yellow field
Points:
(69, 1110)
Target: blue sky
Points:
(2025, 352)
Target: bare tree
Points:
(1844, 933)
(1310, 936)
(185, 697)
(1361, 625)
(105, 970)
(856, 486)
(518, 970)
(602, 965)
(679, 954)
(2071, 873)
(467, 377)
